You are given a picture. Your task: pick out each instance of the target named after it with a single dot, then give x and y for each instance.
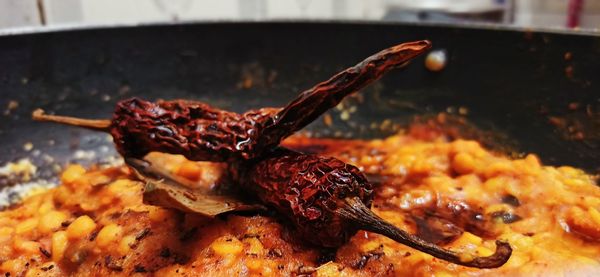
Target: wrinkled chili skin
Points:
(307, 189)
(312, 103)
(304, 188)
(193, 129)
(201, 132)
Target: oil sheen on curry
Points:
(453, 193)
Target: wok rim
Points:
(71, 27)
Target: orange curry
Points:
(94, 222)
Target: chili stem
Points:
(355, 210)
(93, 124)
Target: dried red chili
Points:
(326, 199)
(306, 188)
(201, 132)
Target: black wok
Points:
(538, 92)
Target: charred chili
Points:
(326, 200)
(201, 132)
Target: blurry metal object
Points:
(498, 11)
(449, 6)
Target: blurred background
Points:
(554, 14)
